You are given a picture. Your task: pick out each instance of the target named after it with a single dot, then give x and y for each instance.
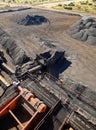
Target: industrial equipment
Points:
(32, 102)
(34, 107)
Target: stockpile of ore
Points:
(15, 51)
(32, 20)
(84, 30)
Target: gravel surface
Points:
(82, 56)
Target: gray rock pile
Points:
(33, 20)
(84, 30)
(17, 54)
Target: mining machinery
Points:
(38, 101)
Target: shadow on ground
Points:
(59, 67)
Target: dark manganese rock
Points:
(33, 20)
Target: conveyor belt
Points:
(41, 92)
(80, 123)
(54, 118)
(2, 79)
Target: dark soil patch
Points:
(47, 43)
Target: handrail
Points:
(16, 119)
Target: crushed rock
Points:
(84, 30)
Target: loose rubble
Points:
(84, 30)
(12, 48)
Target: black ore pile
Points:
(84, 30)
(33, 20)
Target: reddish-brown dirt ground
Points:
(82, 56)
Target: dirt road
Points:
(31, 38)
